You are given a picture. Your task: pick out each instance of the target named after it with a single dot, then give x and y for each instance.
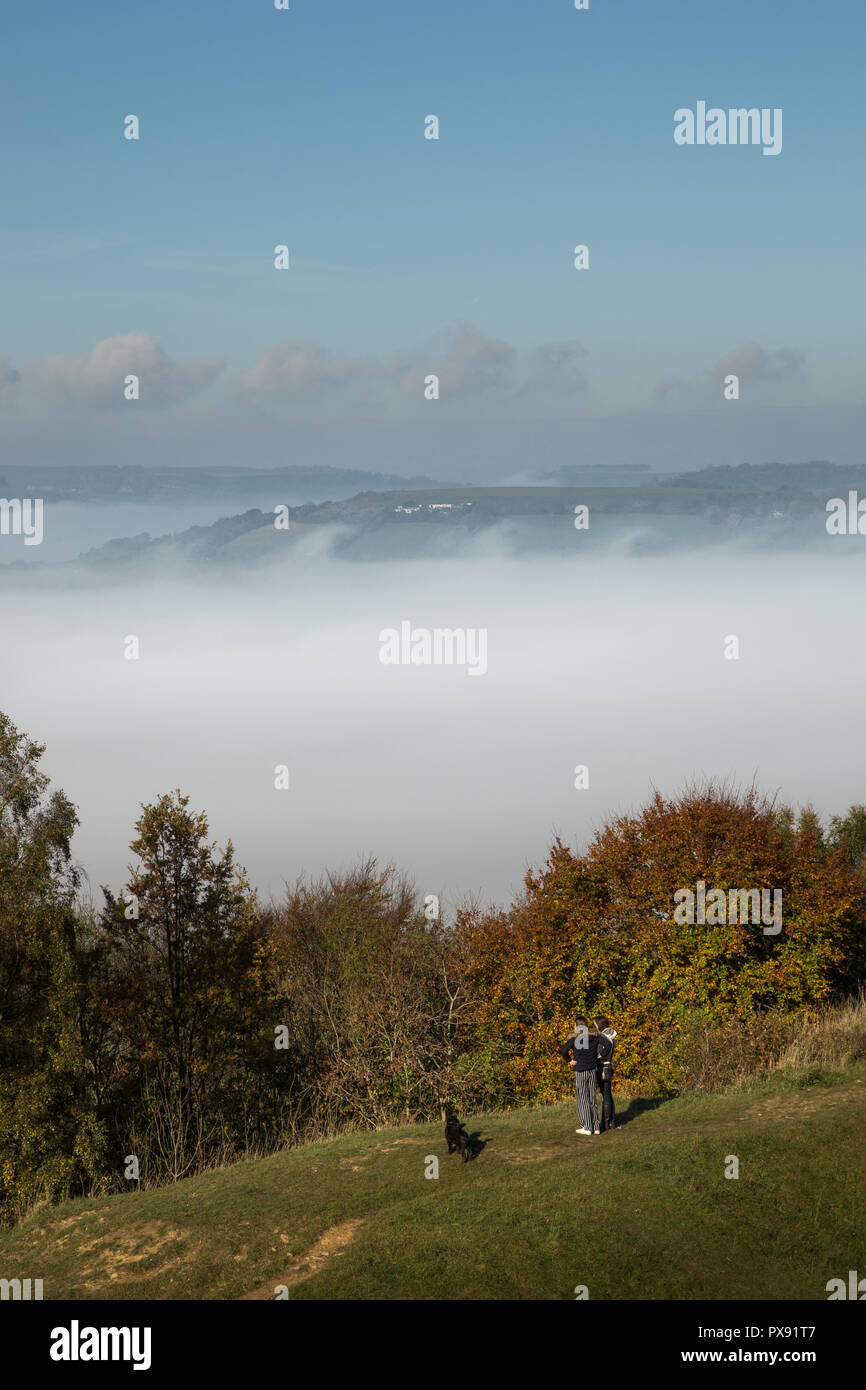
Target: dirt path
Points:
(333, 1242)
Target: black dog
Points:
(457, 1138)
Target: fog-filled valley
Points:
(608, 660)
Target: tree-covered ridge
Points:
(184, 1022)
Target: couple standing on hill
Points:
(591, 1057)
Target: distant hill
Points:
(761, 508)
(133, 483)
(826, 479)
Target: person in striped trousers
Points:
(583, 1049)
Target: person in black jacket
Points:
(583, 1049)
(605, 1073)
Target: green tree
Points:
(179, 986)
(50, 1141)
(848, 833)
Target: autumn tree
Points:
(598, 932)
(363, 985)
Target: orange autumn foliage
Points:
(596, 932)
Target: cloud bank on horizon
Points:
(498, 408)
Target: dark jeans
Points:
(608, 1118)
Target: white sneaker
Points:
(583, 1131)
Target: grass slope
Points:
(645, 1212)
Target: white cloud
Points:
(294, 369)
(751, 362)
(9, 379)
(467, 362)
(96, 379)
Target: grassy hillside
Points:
(645, 1212)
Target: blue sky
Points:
(306, 127)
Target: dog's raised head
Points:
(452, 1132)
(457, 1138)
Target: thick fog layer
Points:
(461, 779)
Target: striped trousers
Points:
(584, 1086)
